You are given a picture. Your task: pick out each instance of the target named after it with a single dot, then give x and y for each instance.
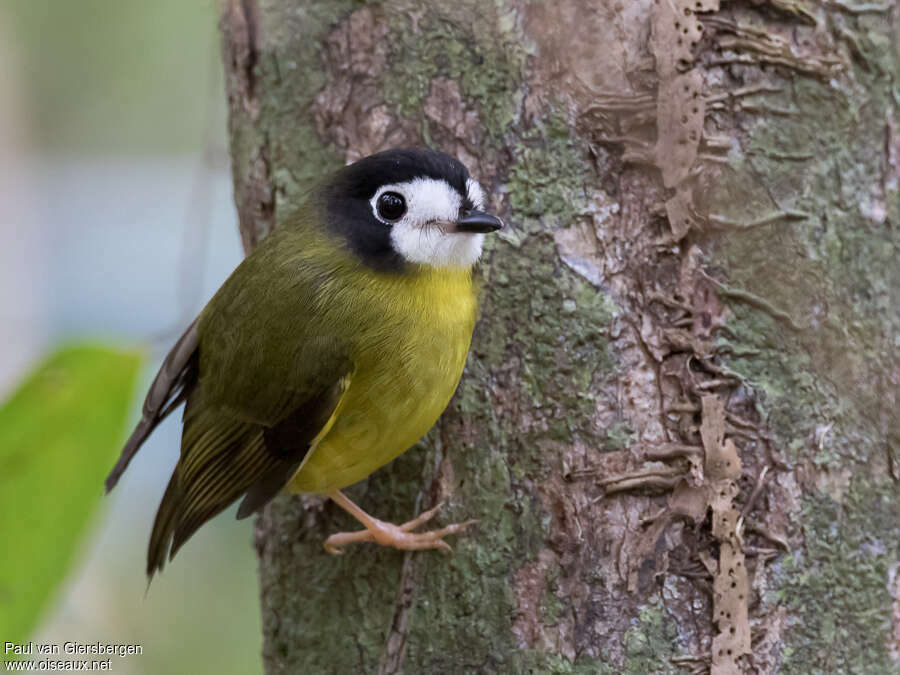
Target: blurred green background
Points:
(117, 224)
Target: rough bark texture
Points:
(677, 425)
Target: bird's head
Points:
(409, 206)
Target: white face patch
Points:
(425, 233)
(475, 193)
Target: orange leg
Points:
(388, 534)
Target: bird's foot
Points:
(399, 536)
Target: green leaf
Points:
(59, 435)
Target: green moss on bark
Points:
(558, 320)
(824, 377)
(288, 78)
(560, 355)
(651, 643)
(836, 587)
(833, 272)
(470, 42)
(548, 178)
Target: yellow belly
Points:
(403, 380)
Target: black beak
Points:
(478, 221)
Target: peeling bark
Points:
(678, 422)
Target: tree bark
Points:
(677, 425)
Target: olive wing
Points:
(272, 364)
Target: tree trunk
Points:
(677, 425)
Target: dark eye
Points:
(391, 206)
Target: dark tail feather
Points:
(172, 384)
(138, 436)
(163, 527)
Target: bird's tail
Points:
(164, 527)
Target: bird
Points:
(333, 347)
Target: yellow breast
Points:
(409, 356)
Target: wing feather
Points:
(223, 457)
